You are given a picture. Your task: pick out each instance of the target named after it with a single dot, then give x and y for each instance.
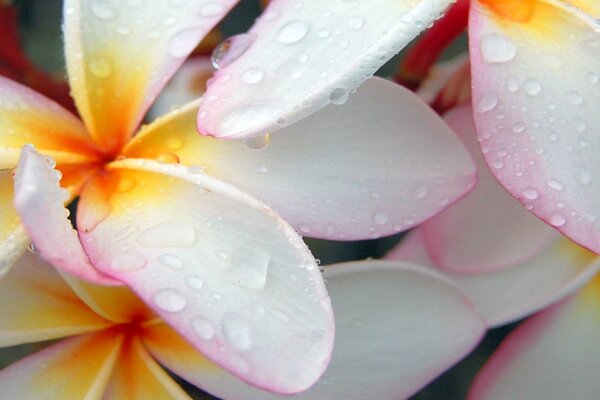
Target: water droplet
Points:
(203, 328)
(126, 262)
(252, 76)
(168, 158)
(100, 67)
(339, 96)
(102, 10)
(222, 255)
(574, 97)
(557, 219)
(518, 127)
(293, 32)
(169, 300)
(168, 234)
(356, 22)
(194, 282)
(380, 218)
(174, 143)
(182, 44)
(238, 331)
(583, 175)
(31, 248)
(231, 49)
(260, 168)
(532, 87)
(212, 9)
(530, 194)
(487, 102)
(497, 48)
(554, 184)
(171, 261)
(258, 142)
(420, 192)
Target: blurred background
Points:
(40, 32)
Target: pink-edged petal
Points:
(76, 368)
(187, 85)
(376, 166)
(488, 229)
(538, 133)
(39, 201)
(513, 293)
(305, 57)
(13, 238)
(27, 117)
(38, 305)
(119, 55)
(137, 376)
(554, 355)
(398, 327)
(219, 266)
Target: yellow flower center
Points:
(515, 10)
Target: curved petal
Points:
(513, 293)
(371, 160)
(486, 230)
(39, 201)
(75, 368)
(27, 117)
(288, 72)
(554, 355)
(13, 239)
(187, 85)
(216, 264)
(387, 346)
(538, 133)
(137, 376)
(119, 55)
(38, 305)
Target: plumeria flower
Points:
(154, 210)
(512, 265)
(535, 130)
(114, 342)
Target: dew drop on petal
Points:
(497, 48)
(203, 328)
(557, 219)
(169, 300)
(258, 142)
(231, 49)
(293, 32)
(171, 261)
(338, 96)
(252, 76)
(194, 282)
(238, 331)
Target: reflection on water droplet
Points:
(258, 142)
(171, 261)
(497, 48)
(169, 300)
(293, 32)
(231, 49)
(238, 331)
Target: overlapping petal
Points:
(551, 356)
(486, 230)
(538, 133)
(39, 201)
(120, 55)
(48, 374)
(137, 376)
(27, 117)
(303, 57)
(37, 305)
(513, 293)
(217, 265)
(364, 170)
(398, 327)
(13, 239)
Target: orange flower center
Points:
(515, 10)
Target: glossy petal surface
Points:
(137, 376)
(305, 57)
(488, 229)
(398, 327)
(37, 305)
(39, 201)
(76, 368)
(513, 293)
(27, 117)
(539, 133)
(369, 159)
(217, 265)
(553, 355)
(120, 55)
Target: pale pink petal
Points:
(38, 305)
(39, 201)
(536, 97)
(488, 229)
(554, 355)
(513, 293)
(398, 327)
(219, 266)
(76, 368)
(120, 54)
(376, 166)
(302, 58)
